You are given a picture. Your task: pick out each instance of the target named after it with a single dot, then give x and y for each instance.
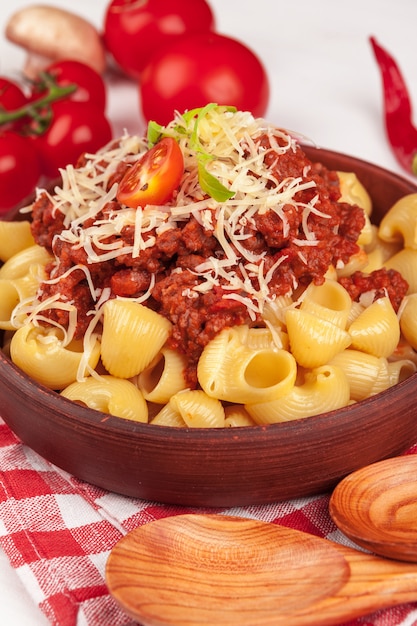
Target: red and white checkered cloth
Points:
(57, 532)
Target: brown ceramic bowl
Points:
(219, 467)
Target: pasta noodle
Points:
(250, 297)
(367, 374)
(400, 222)
(198, 410)
(20, 263)
(314, 341)
(408, 320)
(132, 336)
(14, 237)
(329, 301)
(325, 389)
(43, 356)
(405, 262)
(230, 371)
(14, 292)
(376, 330)
(353, 192)
(168, 416)
(109, 395)
(164, 377)
(237, 416)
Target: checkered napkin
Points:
(57, 532)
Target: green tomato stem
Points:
(31, 109)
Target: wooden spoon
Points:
(376, 507)
(212, 569)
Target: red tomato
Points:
(201, 68)
(154, 177)
(12, 98)
(76, 127)
(19, 169)
(134, 30)
(90, 85)
(11, 95)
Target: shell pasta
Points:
(250, 297)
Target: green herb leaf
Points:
(155, 131)
(211, 185)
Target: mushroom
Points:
(50, 34)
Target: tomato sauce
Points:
(167, 269)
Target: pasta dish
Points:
(257, 290)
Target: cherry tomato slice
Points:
(154, 177)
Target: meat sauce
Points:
(172, 261)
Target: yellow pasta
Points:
(19, 264)
(366, 234)
(237, 416)
(329, 301)
(42, 355)
(379, 251)
(132, 336)
(198, 410)
(375, 260)
(356, 263)
(14, 237)
(230, 371)
(405, 262)
(400, 222)
(400, 370)
(367, 374)
(9, 298)
(164, 377)
(353, 192)
(16, 290)
(376, 330)
(108, 394)
(271, 337)
(274, 311)
(355, 310)
(314, 341)
(324, 389)
(408, 320)
(168, 416)
(404, 351)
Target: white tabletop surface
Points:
(324, 84)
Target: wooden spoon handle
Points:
(374, 583)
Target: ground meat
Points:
(130, 283)
(196, 320)
(382, 282)
(46, 221)
(271, 226)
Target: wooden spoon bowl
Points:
(202, 570)
(376, 507)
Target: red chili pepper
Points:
(401, 132)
